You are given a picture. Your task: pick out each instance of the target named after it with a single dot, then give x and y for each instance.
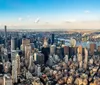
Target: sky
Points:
(50, 14)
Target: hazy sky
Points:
(50, 13)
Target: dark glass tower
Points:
(5, 36)
(53, 39)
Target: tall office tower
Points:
(52, 49)
(27, 51)
(39, 58)
(83, 51)
(6, 47)
(80, 62)
(24, 42)
(53, 39)
(98, 48)
(5, 36)
(71, 52)
(59, 52)
(19, 43)
(45, 42)
(18, 64)
(79, 50)
(92, 48)
(66, 50)
(85, 58)
(13, 54)
(14, 71)
(13, 44)
(30, 60)
(75, 50)
(45, 50)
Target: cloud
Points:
(87, 11)
(70, 21)
(37, 20)
(20, 19)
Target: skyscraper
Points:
(14, 71)
(66, 50)
(85, 58)
(27, 51)
(92, 48)
(24, 43)
(79, 50)
(79, 59)
(45, 50)
(53, 38)
(52, 49)
(5, 36)
(5, 50)
(18, 63)
(13, 44)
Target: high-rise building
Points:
(6, 47)
(45, 50)
(85, 58)
(92, 48)
(24, 43)
(18, 63)
(59, 51)
(53, 38)
(13, 54)
(5, 36)
(66, 50)
(72, 51)
(14, 71)
(13, 44)
(80, 60)
(52, 49)
(79, 50)
(39, 58)
(30, 60)
(19, 43)
(27, 51)
(45, 44)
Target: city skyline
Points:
(74, 14)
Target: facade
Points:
(14, 71)
(13, 44)
(92, 48)
(53, 38)
(52, 49)
(24, 43)
(27, 51)
(79, 50)
(5, 36)
(18, 64)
